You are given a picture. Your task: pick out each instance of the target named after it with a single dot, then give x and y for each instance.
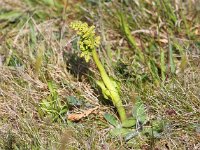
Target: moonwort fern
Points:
(88, 44)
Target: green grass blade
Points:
(163, 65)
(10, 16)
(171, 59)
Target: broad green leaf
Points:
(129, 122)
(111, 119)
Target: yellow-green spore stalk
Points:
(88, 43)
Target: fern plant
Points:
(88, 44)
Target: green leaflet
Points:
(116, 84)
(73, 101)
(111, 119)
(139, 111)
(130, 122)
(120, 132)
(105, 91)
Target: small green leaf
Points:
(129, 123)
(158, 125)
(148, 131)
(139, 111)
(73, 101)
(131, 135)
(120, 132)
(111, 119)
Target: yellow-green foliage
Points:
(88, 40)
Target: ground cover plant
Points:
(52, 98)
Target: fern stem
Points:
(112, 89)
